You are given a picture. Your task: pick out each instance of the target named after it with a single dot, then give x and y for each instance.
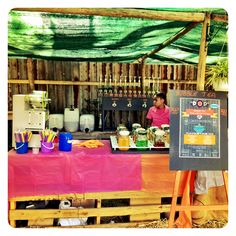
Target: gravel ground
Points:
(164, 224)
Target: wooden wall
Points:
(75, 83)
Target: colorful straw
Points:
(47, 135)
(22, 136)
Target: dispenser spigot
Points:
(114, 104)
(144, 105)
(129, 104)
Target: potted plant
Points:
(217, 76)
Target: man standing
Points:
(159, 114)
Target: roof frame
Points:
(133, 13)
(193, 17)
(125, 12)
(167, 42)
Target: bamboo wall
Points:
(75, 83)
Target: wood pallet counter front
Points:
(144, 205)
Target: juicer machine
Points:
(30, 112)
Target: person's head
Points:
(159, 100)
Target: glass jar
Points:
(134, 127)
(142, 140)
(151, 135)
(159, 138)
(165, 127)
(124, 140)
(167, 136)
(121, 127)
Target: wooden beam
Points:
(85, 212)
(91, 83)
(219, 18)
(94, 195)
(124, 12)
(203, 54)
(175, 37)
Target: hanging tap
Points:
(129, 104)
(130, 84)
(114, 104)
(139, 86)
(144, 105)
(120, 87)
(125, 88)
(115, 87)
(149, 86)
(105, 86)
(153, 86)
(134, 87)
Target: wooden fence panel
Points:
(52, 89)
(22, 67)
(157, 77)
(75, 77)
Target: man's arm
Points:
(149, 122)
(149, 118)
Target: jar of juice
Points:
(134, 127)
(151, 135)
(168, 136)
(121, 127)
(124, 140)
(142, 140)
(159, 138)
(165, 127)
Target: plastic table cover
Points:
(79, 171)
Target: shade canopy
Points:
(103, 38)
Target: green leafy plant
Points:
(217, 74)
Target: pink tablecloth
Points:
(79, 171)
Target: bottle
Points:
(100, 121)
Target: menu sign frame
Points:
(198, 130)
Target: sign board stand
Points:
(174, 207)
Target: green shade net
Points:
(108, 39)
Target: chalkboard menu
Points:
(198, 130)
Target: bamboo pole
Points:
(123, 12)
(175, 37)
(203, 54)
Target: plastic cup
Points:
(35, 150)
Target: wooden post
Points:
(174, 199)
(203, 54)
(12, 207)
(174, 207)
(99, 205)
